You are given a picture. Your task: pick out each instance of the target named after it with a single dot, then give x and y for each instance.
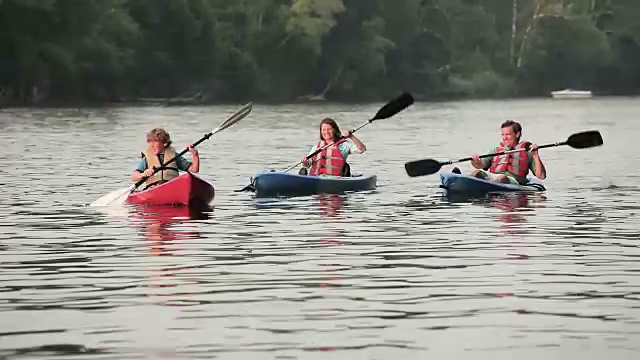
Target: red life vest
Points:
(329, 161)
(516, 163)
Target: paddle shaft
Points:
(342, 139)
(500, 153)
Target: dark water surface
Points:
(401, 272)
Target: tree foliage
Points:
(282, 50)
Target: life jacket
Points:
(329, 161)
(517, 163)
(168, 173)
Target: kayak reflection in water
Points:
(157, 151)
(158, 225)
(511, 168)
(330, 204)
(332, 161)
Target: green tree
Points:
(563, 53)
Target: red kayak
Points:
(186, 189)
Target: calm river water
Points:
(401, 272)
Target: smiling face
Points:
(509, 136)
(327, 132)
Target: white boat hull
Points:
(571, 94)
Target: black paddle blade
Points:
(246, 188)
(394, 106)
(585, 139)
(251, 187)
(422, 167)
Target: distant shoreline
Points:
(169, 103)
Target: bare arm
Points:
(195, 164)
(141, 170)
(358, 143)
(538, 167)
(478, 163)
(307, 163)
(136, 176)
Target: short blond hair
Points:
(159, 134)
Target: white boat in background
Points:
(571, 94)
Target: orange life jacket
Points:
(517, 163)
(329, 161)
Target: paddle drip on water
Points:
(120, 196)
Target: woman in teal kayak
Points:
(158, 150)
(511, 168)
(332, 161)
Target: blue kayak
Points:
(461, 183)
(277, 183)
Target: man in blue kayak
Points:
(513, 167)
(158, 151)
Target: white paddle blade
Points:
(113, 198)
(239, 115)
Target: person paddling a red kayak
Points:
(513, 167)
(158, 150)
(332, 161)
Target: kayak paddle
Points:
(388, 110)
(581, 140)
(118, 196)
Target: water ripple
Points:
(402, 271)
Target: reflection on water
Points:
(515, 211)
(167, 231)
(160, 225)
(331, 204)
(401, 272)
(516, 207)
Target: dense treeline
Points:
(213, 51)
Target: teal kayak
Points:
(277, 183)
(466, 184)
